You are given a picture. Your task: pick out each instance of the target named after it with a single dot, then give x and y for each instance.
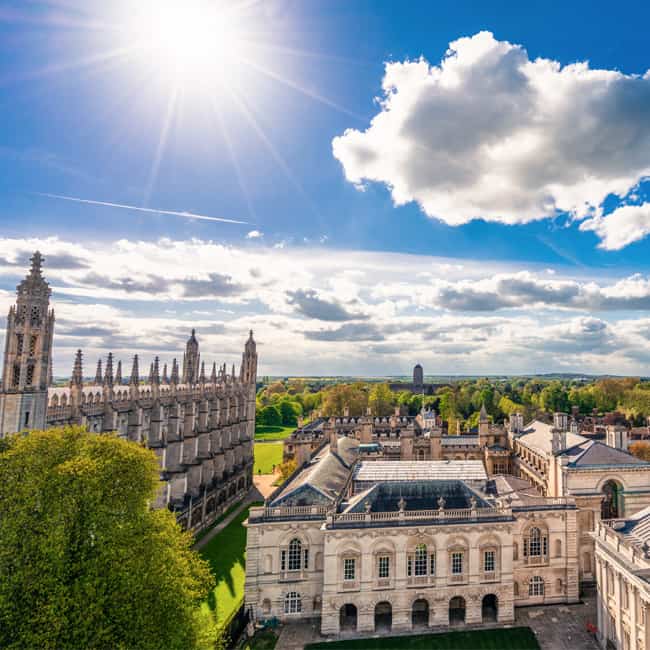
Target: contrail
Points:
(187, 215)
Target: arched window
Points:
(536, 586)
(294, 557)
(536, 544)
(292, 603)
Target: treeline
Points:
(281, 403)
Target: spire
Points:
(483, 416)
(155, 371)
(174, 377)
(108, 375)
(165, 379)
(77, 370)
(202, 375)
(98, 374)
(118, 374)
(213, 376)
(151, 373)
(233, 370)
(135, 372)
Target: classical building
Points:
(200, 425)
(373, 546)
(623, 569)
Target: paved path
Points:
(253, 495)
(264, 483)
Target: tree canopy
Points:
(85, 561)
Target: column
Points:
(632, 595)
(600, 596)
(619, 604)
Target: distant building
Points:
(417, 386)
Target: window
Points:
(32, 346)
(292, 603)
(36, 315)
(30, 375)
(348, 568)
(536, 544)
(536, 587)
(306, 554)
(295, 551)
(489, 561)
(432, 564)
(16, 377)
(421, 560)
(19, 343)
(457, 563)
(383, 568)
(26, 419)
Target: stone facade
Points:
(623, 567)
(201, 427)
(364, 565)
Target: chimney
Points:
(560, 421)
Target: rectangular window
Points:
(421, 560)
(283, 560)
(306, 558)
(457, 563)
(384, 567)
(488, 561)
(409, 566)
(432, 564)
(19, 343)
(32, 346)
(26, 419)
(348, 569)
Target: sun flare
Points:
(191, 42)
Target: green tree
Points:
(271, 416)
(337, 398)
(381, 399)
(290, 411)
(85, 561)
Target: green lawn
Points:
(517, 638)
(226, 553)
(264, 432)
(267, 454)
(199, 536)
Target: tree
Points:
(340, 396)
(85, 561)
(271, 416)
(640, 450)
(381, 399)
(290, 411)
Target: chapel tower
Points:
(28, 354)
(191, 360)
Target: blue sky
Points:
(493, 218)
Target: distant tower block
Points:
(418, 375)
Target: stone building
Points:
(402, 437)
(201, 426)
(373, 546)
(417, 385)
(623, 568)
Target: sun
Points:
(188, 42)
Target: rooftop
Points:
(423, 470)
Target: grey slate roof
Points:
(322, 480)
(594, 452)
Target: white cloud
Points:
(624, 225)
(347, 312)
(254, 234)
(489, 133)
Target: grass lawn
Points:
(217, 521)
(263, 432)
(516, 638)
(226, 553)
(267, 454)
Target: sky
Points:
(365, 184)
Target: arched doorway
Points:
(383, 617)
(610, 507)
(489, 608)
(348, 618)
(457, 610)
(420, 613)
